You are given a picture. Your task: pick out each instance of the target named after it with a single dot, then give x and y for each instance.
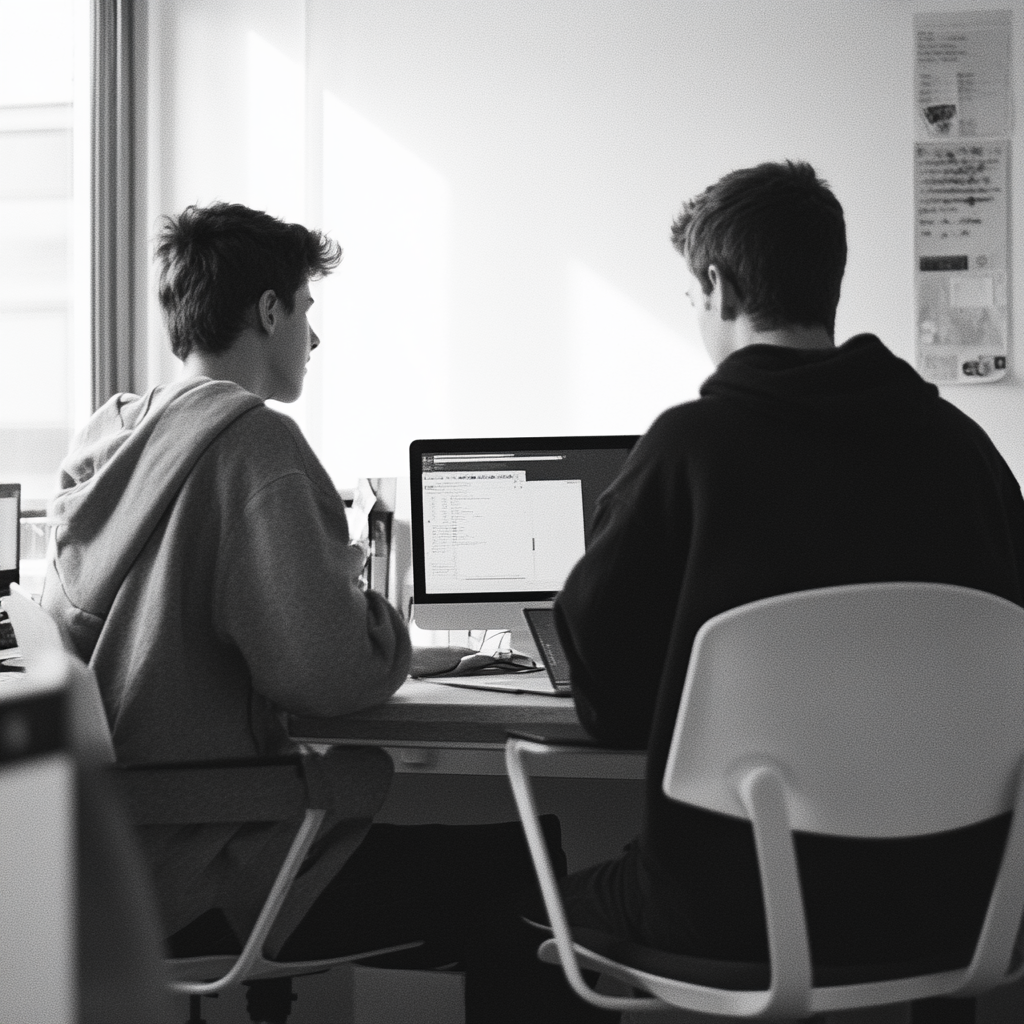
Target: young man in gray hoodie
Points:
(204, 568)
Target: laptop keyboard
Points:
(7, 638)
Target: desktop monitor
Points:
(10, 535)
(498, 522)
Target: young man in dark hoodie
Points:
(203, 567)
(803, 464)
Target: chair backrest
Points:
(37, 808)
(40, 639)
(888, 709)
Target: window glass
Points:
(38, 368)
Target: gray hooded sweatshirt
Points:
(203, 568)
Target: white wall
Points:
(503, 177)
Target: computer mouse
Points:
(497, 663)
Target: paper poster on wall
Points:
(962, 255)
(962, 74)
(963, 116)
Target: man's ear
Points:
(268, 309)
(724, 299)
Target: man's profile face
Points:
(290, 346)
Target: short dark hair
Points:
(215, 263)
(776, 231)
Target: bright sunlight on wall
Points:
(275, 135)
(275, 151)
(628, 366)
(385, 360)
(502, 178)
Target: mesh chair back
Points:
(889, 709)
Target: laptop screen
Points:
(505, 517)
(10, 524)
(545, 635)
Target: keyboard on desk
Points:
(507, 672)
(513, 682)
(7, 637)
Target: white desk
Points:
(432, 728)
(447, 744)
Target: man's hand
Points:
(355, 558)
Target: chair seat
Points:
(734, 975)
(207, 968)
(867, 711)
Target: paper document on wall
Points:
(961, 252)
(961, 179)
(962, 74)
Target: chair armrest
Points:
(515, 749)
(350, 782)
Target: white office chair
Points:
(111, 968)
(874, 711)
(281, 789)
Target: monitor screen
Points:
(504, 519)
(10, 525)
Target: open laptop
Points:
(542, 625)
(10, 543)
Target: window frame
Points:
(117, 165)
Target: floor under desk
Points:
(448, 747)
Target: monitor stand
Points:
(490, 615)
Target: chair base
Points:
(195, 1009)
(267, 1001)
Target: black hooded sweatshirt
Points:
(794, 470)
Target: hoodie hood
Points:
(123, 473)
(836, 390)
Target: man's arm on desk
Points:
(288, 598)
